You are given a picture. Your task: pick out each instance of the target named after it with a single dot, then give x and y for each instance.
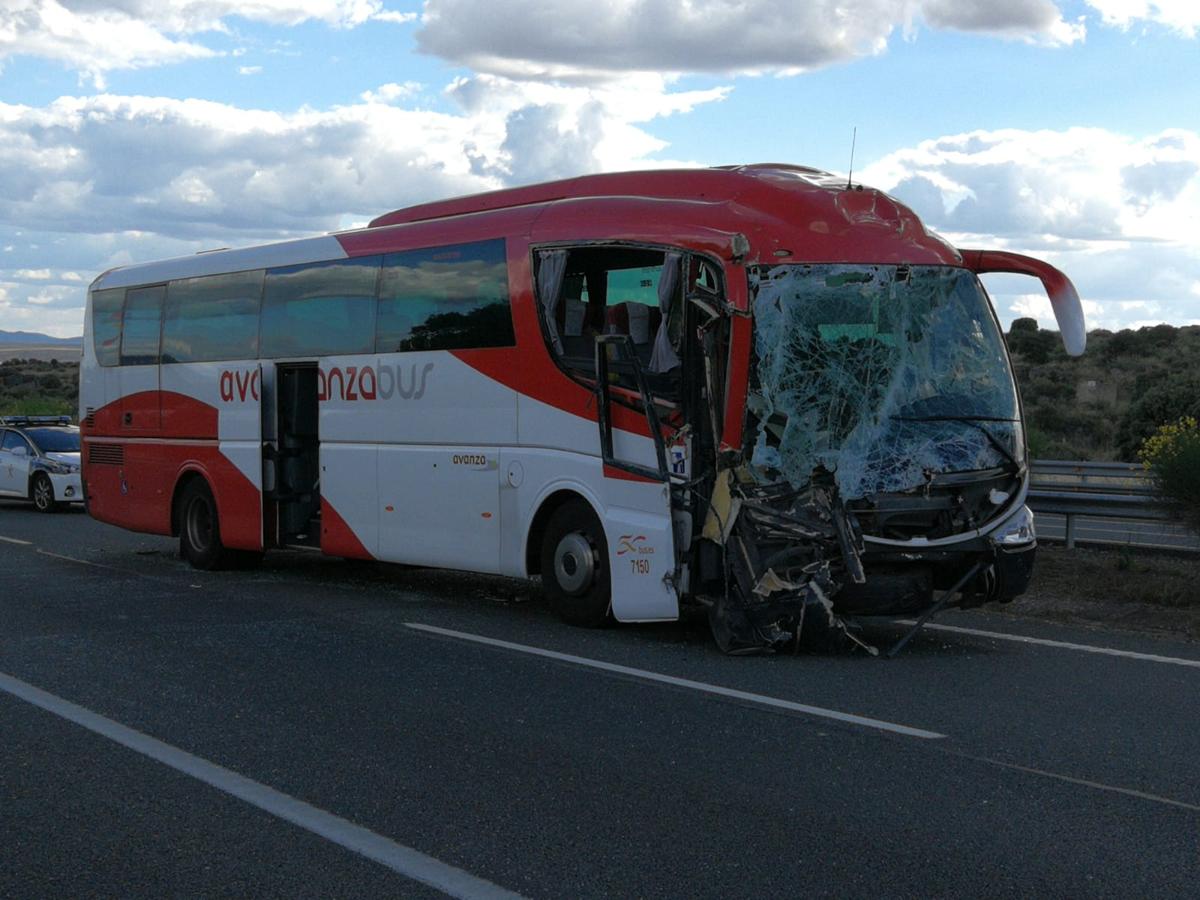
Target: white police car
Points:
(39, 460)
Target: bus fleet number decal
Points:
(633, 546)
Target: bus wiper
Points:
(953, 418)
(974, 422)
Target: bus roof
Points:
(786, 214)
(713, 185)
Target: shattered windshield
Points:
(883, 375)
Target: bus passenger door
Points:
(291, 489)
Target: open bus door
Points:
(293, 496)
(631, 460)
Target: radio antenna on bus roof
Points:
(850, 175)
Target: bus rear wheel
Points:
(199, 530)
(575, 572)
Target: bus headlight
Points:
(1017, 530)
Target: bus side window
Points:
(322, 308)
(106, 325)
(610, 290)
(445, 298)
(141, 325)
(212, 317)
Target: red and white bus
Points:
(759, 389)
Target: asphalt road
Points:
(286, 731)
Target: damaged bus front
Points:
(884, 468)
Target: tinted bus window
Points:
(445, 298)
(106, 325)
(320, 308)
(215, 317)
(142, 325)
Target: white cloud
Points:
(250, 70)
(95, 37)
(569, 40)
(396, 18)
(391, 92)
(87, 183)
(1120, 215)
(1037, 21)
(1077, 184)
(1182, 16)
(191, 167)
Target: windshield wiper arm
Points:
(974, 422)
(953, 418)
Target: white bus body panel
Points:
(636, 515)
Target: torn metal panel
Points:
(787, 553)
(884, 375)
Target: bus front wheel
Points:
(575, 573)
(199, 530)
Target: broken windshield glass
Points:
(883, 375)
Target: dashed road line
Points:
(646, 675)
(9, 540)
(1086, 782)
(1065, 645)
(401, 859)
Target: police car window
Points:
(55, 440)
(12, 441)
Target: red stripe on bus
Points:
(337, 537)
(622, 475)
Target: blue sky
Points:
(140, 129)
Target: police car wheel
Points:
(42, 493)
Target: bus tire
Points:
(41, 492)
(575, 574)
(199, 528)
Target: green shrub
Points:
(1163, 400)
(37, 405)
(1172, 457)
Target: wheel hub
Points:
(199, 526)
(574, 563)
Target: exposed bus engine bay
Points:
(883, 456)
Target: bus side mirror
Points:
(1064, 299)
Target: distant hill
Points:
(14, 338)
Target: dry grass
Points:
(1127, 588)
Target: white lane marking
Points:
(1066, 645)
(1097, 785)
(645, 675)
(82, 562)
(9, 540)
(404, 860)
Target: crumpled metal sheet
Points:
(787, 553)
(860, 366)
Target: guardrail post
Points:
(1070, 532)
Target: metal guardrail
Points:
(1084, 491)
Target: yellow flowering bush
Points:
(1172, 457)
